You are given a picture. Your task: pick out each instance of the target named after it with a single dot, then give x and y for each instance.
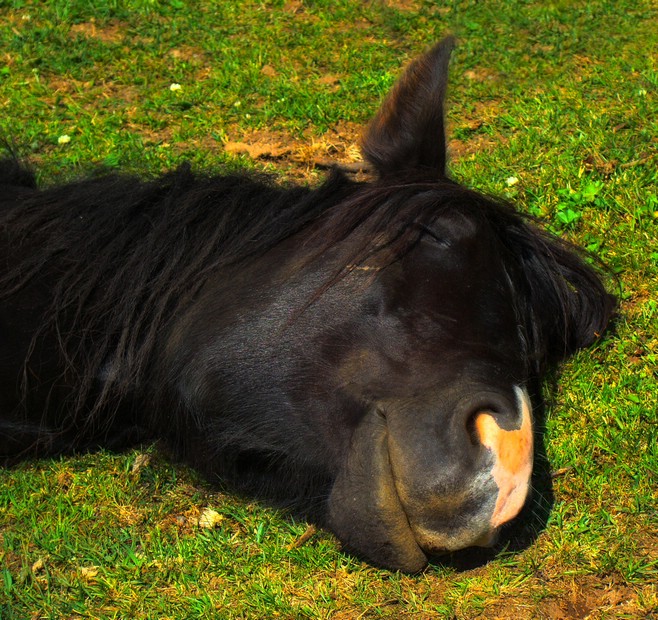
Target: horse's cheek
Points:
(364, 508)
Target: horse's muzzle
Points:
(395, 506)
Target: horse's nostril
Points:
(503, 415)
(505, 409)
(512, 452)
(471, 429)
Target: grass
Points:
(561, 96)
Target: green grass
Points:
(562, 96)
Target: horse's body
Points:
(364, 349)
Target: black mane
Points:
(126, 256)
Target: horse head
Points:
(452, 331)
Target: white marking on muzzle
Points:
(512, 452)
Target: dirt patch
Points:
(189, 54)
(300, 157)
(296, 7)
(124, 93)
(112, 32)
(475, 144)
(269, 71)
(269, 148)
(481, 74)
(337, 146)
(591, 597)
(583, 598)
(402, 5)
(469, 133)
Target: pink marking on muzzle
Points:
(512, 452)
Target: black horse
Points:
(360, 349)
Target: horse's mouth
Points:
(388, 522)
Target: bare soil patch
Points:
(112, 32)
(338, 146)
(403, 5)
(586, 597)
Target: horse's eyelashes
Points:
(440, 239)
(444, 243)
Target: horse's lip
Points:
(483, 547)
(488, 539)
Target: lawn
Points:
(552, 105)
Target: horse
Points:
(361, 349)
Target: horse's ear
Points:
(407, 134)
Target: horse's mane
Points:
(126, 255)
